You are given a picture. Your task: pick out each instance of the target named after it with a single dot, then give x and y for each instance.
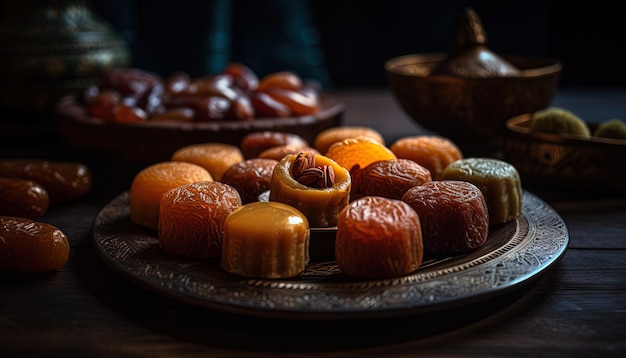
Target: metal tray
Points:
(515, 253)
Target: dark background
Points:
(345, 43)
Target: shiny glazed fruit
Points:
(389, 178)
(64, 181)
(30, 246)
(191, 218)
(432, 152)
(359, 151)
(266, 240)
(23, 198)
(282, 79)
(250, 177)
(153, 181)
(378, 238)
(301, 103)
(255, 143)
(214, 157)
(243, 76)
(279, 152)
(453, 214)
(330, 136)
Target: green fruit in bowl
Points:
(612, 128)
(558, 121)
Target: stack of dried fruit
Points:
(236, 93)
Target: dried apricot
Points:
(378, 238)
(453, 214)
(328, 137)
(153, 181)
(191, 218)
(21, 197)
(389, 178)
(31, 246)
(250, 177)
(361, 151)
(214, 157)
(432, 152)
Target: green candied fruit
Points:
(558, 121)
(612, 128)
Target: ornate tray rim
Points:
(539, 238)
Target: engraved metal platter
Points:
(515, 254)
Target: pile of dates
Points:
(236, 93)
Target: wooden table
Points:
(576, 308)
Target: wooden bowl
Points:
(150, 142)
(470, 111)
(565, 161)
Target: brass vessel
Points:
(49, 49)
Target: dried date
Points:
(64, 181)
(23, 198)
(31, 246)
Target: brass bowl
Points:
(565, 161)
(470, 111)
(154, 141)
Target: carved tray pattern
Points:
(515, 253)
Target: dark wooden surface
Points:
(576, 308)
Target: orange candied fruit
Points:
(332, 135)
(153, 181)
(214, 157)
(359, 151)
(433, 152)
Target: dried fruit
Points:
(253, 144)
(432, 152)
(23, 198)
(153, 181)
(378, 238)
(359, 151)
(453, 215)
(499, 182)
(64, 181)
(31, 246)
(389, 178)
(250, 177)
(320, 205)
(279, 152)
(191, 218)
(214, 157)
(330, 136)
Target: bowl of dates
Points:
(137, 116)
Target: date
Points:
(24, 198)
(31, 246)
(235, 93)
(64, 181)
